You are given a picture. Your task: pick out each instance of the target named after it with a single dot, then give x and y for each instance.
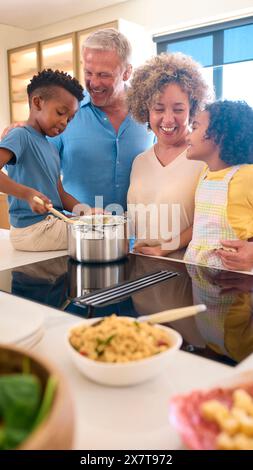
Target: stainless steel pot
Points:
(98, 239)
(85, 278)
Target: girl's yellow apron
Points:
(210, 224)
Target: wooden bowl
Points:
(57, 430)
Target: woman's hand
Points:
(241, 259)
(98, 210)
(84, 209)
(151, 250)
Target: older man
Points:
(99, 145)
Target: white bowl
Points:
(129, 373)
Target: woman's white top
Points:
(161, 198)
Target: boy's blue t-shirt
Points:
(36, 164)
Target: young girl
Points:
(222, 137)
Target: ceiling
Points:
(33, 14)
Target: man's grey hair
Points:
(109, 39)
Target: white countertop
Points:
(113, 418)
(10, 258)
(133, 417)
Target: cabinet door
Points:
(23, 63)
(58, 54)
(81, 36)
(4, 211)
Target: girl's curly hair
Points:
(231, 127)
(150, 79)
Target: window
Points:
(225, 51)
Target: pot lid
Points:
(98, 220)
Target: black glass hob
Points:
(223, 333)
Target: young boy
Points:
(33, 164)
(222, 137)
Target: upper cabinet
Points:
(23, 63)
(59, 53)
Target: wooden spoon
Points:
(167, 315)
(56, 212)
(173, 314)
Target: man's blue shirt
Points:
(97, 161)
(36, 164)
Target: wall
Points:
(156, 16)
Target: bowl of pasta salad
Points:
(121, 351)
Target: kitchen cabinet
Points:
(23, 63)
(59, 53)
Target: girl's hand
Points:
(36, 206)
(239, 260)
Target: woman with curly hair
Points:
(165, 93)
(222, 137)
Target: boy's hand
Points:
(36, 206)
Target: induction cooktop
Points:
(223, 333)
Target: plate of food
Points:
(219, 418)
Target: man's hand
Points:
(241, 259)
(12, 126)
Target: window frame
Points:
(217, 33)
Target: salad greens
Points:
(22, 406)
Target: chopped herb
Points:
(101, 344)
